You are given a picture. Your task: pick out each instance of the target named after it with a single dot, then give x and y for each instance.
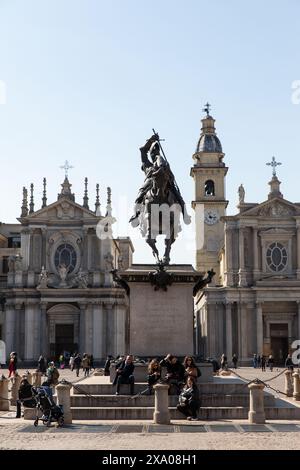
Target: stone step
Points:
(206, 388)
(148, 401)
(136, 413)
(284, 412)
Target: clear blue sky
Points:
(87, 80)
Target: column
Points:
(228, 331)
(110, 330)
(242, 274)
(29, 332)
(88, 328)
(44, 341)
(10, 326)
(82, 328)
(244, 331)
(228, 254)
(120, 322)
(256, 271)
(259, 328)
(25, 244)
(98, 331)
(298, 249)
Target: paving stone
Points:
(223, 428)
(124, 428)
(285, 427)
(192, 428)
(255, 428)
(162, 428)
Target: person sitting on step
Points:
(189, 400)
(175, 373)
(124, 375)
(154, 374)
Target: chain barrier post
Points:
(15, 385)
(161, 412)
(4, 401)
(36, 378)
(63, 398)
(29, 377)
(296, 393)
(288, 388)
(256, 413)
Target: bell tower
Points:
(209, 172)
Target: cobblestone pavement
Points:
(134, 435)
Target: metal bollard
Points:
(161, 413)
(63, 398)
(296, 393)
(15, 389)
(288, 388)
(4, 401)
(256, 413)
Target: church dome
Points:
(209, 143)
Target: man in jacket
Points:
(175, 371)
(125, 375)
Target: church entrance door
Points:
(279, 342)
(64, 339)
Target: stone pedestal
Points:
(4, 402)
(161, 321)
(64, 399)
(15, 385)
(296, 393)
(256, 413)
(161, 413)
(288, 387)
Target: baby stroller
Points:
(51, 411)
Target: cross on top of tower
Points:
(206, 109)
(274, 164)
(66, 167)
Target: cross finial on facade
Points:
(66, 167)
(206, 109)
(274, 164)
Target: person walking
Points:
(71, 362)
(289, 363)
(263, 363)
(234, 361)
(77, 364)
(12, 367)
(42, 365)
(254, 361)
(86, 364)
(223, 362)
(271, 363)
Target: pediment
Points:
(62, 209)
(276, 207)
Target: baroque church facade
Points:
(56, 287)
(57, 291)
(253, 305)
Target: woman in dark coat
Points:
(189, 400)
(42, 365)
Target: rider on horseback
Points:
(151, 170)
